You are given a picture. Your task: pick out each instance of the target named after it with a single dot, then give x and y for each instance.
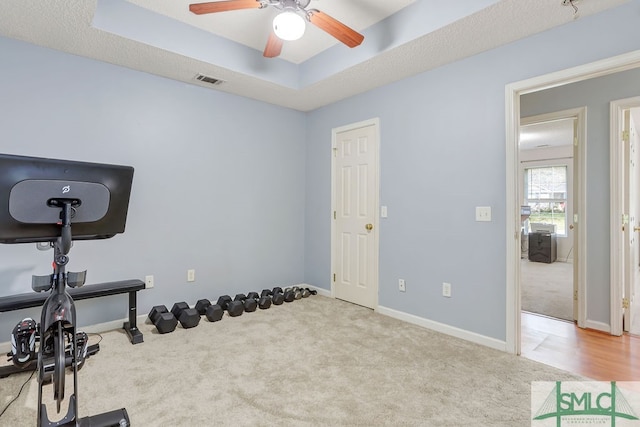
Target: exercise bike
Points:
(58, 329)
(39, 200)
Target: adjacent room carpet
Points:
(547, 289)
(313, 362)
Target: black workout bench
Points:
(20, 301)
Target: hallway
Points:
(593, 354)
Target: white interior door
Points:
(632, 231)
(625, 215)
(574, 219)
(355, 225)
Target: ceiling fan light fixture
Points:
(288, 25)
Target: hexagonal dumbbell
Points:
(264, 300)
(223, 301)
(164, 321)
(289, 295)
(188, 317)
(277, 295)
(234, 308)
(201, 306)
(213, 312)
(249, 304)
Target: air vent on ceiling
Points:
(210, 80)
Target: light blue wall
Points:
(443, 154)
(218, 185)
(254, 196)
(595, 94)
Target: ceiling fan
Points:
(288, 24)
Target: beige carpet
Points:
(312, 362)
(547, 288)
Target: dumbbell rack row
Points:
(166, 321)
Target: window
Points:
(545, 190)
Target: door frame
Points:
(617, 167)
(375, 194)
(513, 91)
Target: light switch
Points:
(383, 211)
(483, 213)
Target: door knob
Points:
(369, 227)
(570, 226)
(636, 228)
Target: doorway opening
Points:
(547, 147)
(513, 243)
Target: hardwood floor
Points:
(593, 354)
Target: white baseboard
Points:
(429, 324)
(598, 326)
(409, 318)
(445, 329)
(321, 291)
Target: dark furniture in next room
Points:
(542, 247)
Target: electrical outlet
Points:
(148, 282)
(446, 290)
(401, 285)
(191, 275)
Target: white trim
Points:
(616, 189)
(376, 229)
(615, 64)
(617, 167)
(409, 318)
(321, 291)
(514, 304)
(580, 252)
(513, 91)
(443, 328)
(549, 117)
(598, 326)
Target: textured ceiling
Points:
(251, 27)
(421, 35)
(553, 133)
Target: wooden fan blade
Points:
(336, 28)
(223, 6)
(274, 46)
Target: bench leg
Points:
(130, 327)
